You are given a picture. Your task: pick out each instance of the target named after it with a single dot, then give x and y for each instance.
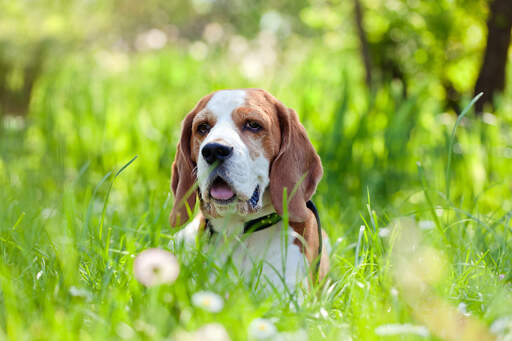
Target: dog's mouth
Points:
(221, 191)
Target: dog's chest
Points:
(269, 256)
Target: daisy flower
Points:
(399, 329)
(261, 329)
(155, 266)
(212, 332)
(208, 301)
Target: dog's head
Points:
(241, 146)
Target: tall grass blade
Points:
(452, 139)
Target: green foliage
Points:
(70, 230)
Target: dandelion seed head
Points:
(155, 266)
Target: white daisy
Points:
(125, 331)
(398, 329)
(212, 332)
(501, 325)
(261, 329)
(155, 266)
(208, 301)
(426, 224)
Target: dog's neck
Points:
(233, 223)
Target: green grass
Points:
(76, 207)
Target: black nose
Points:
(216, 152)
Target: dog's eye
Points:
(203, 128)
(252, 126)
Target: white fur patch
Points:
(283, 266)
(225, 101)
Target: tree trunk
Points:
(491, 78)
(365, 54)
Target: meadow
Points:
(416, 202)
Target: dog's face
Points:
(233, 143)
(241, 146)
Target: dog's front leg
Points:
(188, 234)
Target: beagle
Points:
(239, 151)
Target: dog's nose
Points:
(216, 152)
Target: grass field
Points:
(417, 206)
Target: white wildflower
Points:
(146, 328)
(155, 266)
(208, 332)
(384, 232)
(48, 213)
(489, 118)
(185, 316)
(462, 308)
(324, 313)
(80, 292)
(426, 224)
(212, 332)
(261, 329)
(398, 329)
(208, 301)
(125, 331)
(501, 325)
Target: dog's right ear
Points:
(183, 176)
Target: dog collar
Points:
(261, 223)
(254, 225)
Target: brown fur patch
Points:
(309, 231)
(183, 177)
(204, 116)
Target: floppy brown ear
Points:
(296, 164)
(183, 176)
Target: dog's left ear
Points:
(296, 165)
(183, 177)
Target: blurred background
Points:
(380, 85)
(454, 48)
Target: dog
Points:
(239, 152)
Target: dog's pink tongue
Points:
(221, 191)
